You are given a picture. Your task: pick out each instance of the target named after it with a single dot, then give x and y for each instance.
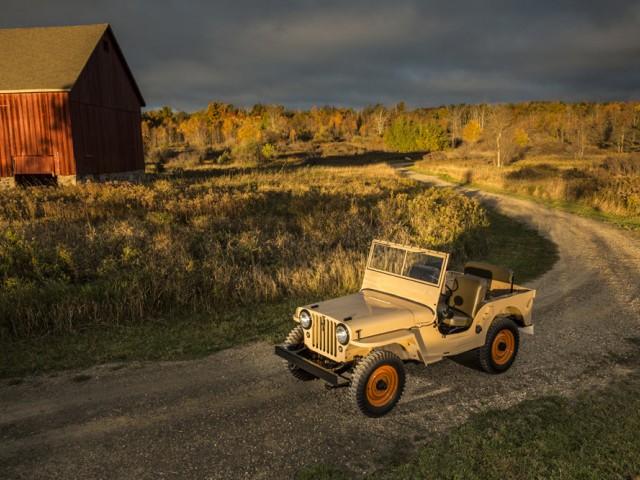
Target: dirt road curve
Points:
(238, 414)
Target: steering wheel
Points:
(451, 289)
(444, 311)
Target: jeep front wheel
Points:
(500, 347)
(377, 383)
(296, 339)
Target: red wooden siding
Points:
(104, 81)
(5, 142)
(95, 128)
(35, 135)
(105, 114)
(106, 140)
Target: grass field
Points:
(605, 188)
(185, 265)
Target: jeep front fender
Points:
(404, 343)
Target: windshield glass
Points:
(397, 261)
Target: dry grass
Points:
(208, 240)
(607, 184)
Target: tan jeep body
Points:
(411, 306)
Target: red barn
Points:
(69, 106)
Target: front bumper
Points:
(292, 356)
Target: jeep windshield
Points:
(416, 265)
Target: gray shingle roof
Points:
(45, 59)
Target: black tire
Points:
(500, 347)
(377, 383)
(296, 337)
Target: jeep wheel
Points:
(501, 346)
(377, 383)
(296, 337)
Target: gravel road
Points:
(238, 414)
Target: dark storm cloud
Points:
(300, 53)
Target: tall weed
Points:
(123, 254)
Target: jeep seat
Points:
(499, 279)
(467, 297)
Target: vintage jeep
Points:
(410, 308)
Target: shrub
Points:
(224, 158)
(268, 151)
(247, 152)
(521, 137)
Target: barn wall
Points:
(35, 134)
(105, 115)
(106, 140)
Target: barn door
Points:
(30, 131)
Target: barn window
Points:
(105, 45)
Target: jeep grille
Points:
(323, 334)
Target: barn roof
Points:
(50, 59)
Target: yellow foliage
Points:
(336, 120)
(249, 132)
(521, 137)
(228, 125)
(471, 132)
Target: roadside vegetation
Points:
(196, 260)
(602, 187)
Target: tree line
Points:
(263, 131)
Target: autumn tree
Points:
(163, 126)
(500, 120)
(521, 137)
(196, 129)
(249, 132)
(275, 122)
(471, 132)
(479, 114)
(581, 127)
(456, 115)
(621, 121)
(380, 119)
(217, 112)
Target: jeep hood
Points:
(373, 312)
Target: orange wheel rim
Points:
(503, 346)
(382, 385)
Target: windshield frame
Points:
(406, 251)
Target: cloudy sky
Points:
(300, 53)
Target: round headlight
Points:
(342, 334)
(305, 319)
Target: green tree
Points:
(433, 137)
(407, 135)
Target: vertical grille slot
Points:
(323, 334)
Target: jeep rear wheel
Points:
(296, 338)
(377, 383)
(500, 347)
